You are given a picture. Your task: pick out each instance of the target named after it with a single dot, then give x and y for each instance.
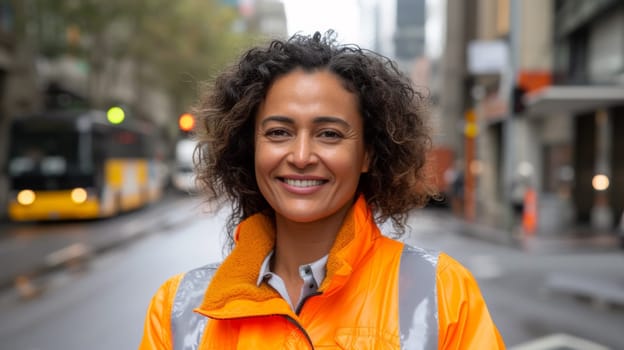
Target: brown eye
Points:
(276, 133)
(330, 134)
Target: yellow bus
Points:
(76, 165)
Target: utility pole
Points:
(509, 156)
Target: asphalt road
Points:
(101, 302)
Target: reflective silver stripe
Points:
(187, 326)
(418, 310)
(418, 304)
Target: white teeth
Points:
(303, 183)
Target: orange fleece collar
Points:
(233, 291)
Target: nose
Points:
(302, 153)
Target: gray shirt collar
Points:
(317, 267)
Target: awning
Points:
(573, 99)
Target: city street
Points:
(511, 110)
(99, 301)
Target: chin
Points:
(307, 214)
(302, 218)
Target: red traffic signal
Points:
(186, 122)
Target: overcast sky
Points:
(319, 15)
(308, 16)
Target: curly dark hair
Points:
(395, 130)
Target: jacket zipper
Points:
(292, 320)
(300, 327)
(298, 311)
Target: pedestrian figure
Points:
(517, 198)
(455, 177)
(313, 144)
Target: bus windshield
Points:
(40, 152)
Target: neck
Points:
(299, 243)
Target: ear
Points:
(367, 161)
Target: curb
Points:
(78, 254)
(561, 242)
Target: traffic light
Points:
(518, 100)
(186, 122)
(115, 115)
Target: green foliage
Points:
(189, 44)
(176, 43)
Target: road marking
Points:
(74, 251)
(559, 341)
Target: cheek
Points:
(265, 159)
(348, 163)
(259, 158)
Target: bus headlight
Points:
(26, 197)
(79, 195)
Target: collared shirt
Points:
(312, 275)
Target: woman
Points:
(312, 144)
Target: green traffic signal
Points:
(115, 115)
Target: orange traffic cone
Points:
(529, 214)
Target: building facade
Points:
(537, 97)
(267, 18)
(583, 155)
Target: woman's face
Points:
(309, 146)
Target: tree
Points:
(171, 44)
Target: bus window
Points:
(42, 152)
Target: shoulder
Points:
(450, 270)
(200, 275)
(404, 256)
(419, 259)
(167, 290)
(428, 255)
(446, 275)
(463, 316)
(184, 285)
(417, 272)
(195, 281)
(443, 264)
(172, 305)
(181, 293)
(457, 290)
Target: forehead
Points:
(319, 91)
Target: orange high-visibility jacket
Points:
(378, 294)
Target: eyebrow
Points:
(316, 120)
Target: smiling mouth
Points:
(303, 183)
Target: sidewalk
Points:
(599, 290)
(572, 240)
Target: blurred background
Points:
(98, 205)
